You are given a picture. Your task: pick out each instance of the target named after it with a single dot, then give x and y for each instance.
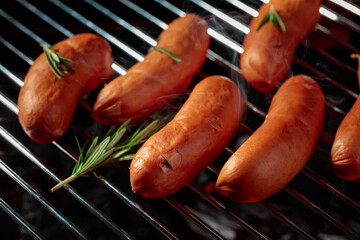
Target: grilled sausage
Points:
(151, 84)
(202, 128)
(277, 151)
(47, 103)
(345, 152)
(268, 51)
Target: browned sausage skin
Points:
(202, 128)
(345, 152)
(46, 102)
(268, 52)
(151, 84)
(272, 156)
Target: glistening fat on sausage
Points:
(202, 128)
(151, 84)
(269, 51)
(277, 151)
(46, 102)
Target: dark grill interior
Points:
(315, 205)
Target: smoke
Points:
(226, 49)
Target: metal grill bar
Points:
(46, 18)
(17, 52)
(20, 26)
(212, 200)
(347, 22)
(322, 212)
(19, 220)
(24, 29)
(348, 6)
(311, 174)
(123, 23)
(187, 213)
(21, 148)
(244, 7)
(328, 34)
(7, 102)
(263, 204)
(140, 210)
(223, 16)
(287, 220)
(133, 53)
(58, 215)
(118, 192)
(327, 78)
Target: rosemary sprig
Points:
(167, 52)
(59, 65)
(110, 149)
(273, 17)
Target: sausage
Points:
(47, 103)
(198, 133)
(277, 151)
(345, 151)
(151, 84)
(358, 57)
(268, 51)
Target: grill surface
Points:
(315, 205)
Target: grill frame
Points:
(11, 137)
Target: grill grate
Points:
(315, 205)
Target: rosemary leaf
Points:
(59, 65)
(263, 21)
(81, 155)
(126, 157)
(68, 65)
(167, 52)
(98, 151)
(274, 18)
(54, 57)
(101, 160)
(145, 132)
(128, 145)
(120, 153)
(51, 65)
(91, 147)
(278, 20)
(117, 138)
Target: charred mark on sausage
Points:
(165, 162)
